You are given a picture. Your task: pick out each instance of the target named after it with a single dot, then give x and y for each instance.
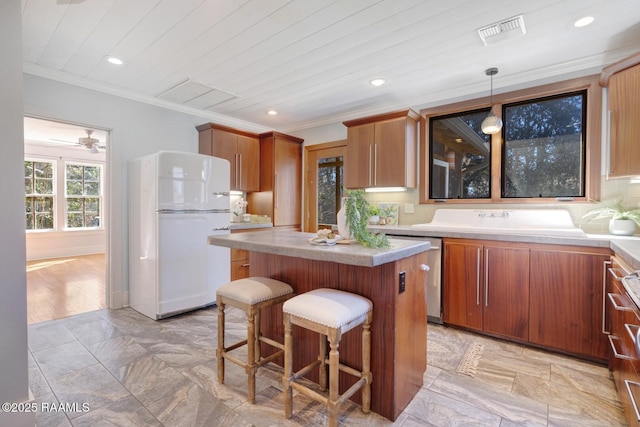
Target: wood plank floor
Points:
(62, 287)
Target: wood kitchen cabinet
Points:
(239, 264)
(381, 151)
(623, 357)
(280, 195)
(566, 297)
(240, 148)
(486, 287)
(546, 295)
(623, 82)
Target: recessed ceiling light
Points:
(272, 112)
(583, 22)
(115, 61)
(378, 81)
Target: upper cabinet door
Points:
(358, 171)
(223, 145)
(624, 110)
(381, 151)
(248, 152)
(394, 142)
(240, 148)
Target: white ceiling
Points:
(311, 59)
(48, 132)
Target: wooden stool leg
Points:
(366, 364)
(220, 349)
(257, 337)
(288, 366)
(251, 357)
(322, 356)
(334, 377)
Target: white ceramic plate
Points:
(323, 241)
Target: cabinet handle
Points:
(275, 191)
(607, 143)
(239, 169)
(604, 298)
(486, 277)
(628, 384)
(616, 353)
(619, 306)
(375, 164)
(370, 156)
(478, 278)
(616, 277)
(235, 183)
(244, 265)
(635, 336)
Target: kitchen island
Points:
(393, 279)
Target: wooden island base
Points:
(398, 332)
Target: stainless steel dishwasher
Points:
(434, 276)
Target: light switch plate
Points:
(408, 208)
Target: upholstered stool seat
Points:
(251, 295)
(330, 313)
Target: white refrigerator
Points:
(177, 200)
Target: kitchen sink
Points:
(538, 222)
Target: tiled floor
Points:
(119, 368)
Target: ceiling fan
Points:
(91, 144)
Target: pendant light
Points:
(492, 124)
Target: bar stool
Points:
(251, 295)
(330, 313)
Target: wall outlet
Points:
(408, 208)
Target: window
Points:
(82, 195)
(548, 149)
(544, 147)
(39, 202)
(460, 157)
(330, 183)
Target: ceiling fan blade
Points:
(64, 141)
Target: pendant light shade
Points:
(492, 124)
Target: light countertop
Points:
(296, 244)
(250, 225)
(628, 248)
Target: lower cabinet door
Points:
(506, 291)
(566, 296)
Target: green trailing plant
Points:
(615, 212)
(357, 215)
(374, 210)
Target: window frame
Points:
(432, 160)
(54, 213)
(592, 128)
(66, 197)
(583, 142)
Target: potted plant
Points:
(622, 221)
(374, 214)
(352, 223)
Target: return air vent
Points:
(503, 30)
(195, 94)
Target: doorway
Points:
(323, 184)
(65, 168)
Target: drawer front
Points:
(239, 254)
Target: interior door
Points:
(323, 183)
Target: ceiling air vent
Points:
(503, 30)
(195, 94)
